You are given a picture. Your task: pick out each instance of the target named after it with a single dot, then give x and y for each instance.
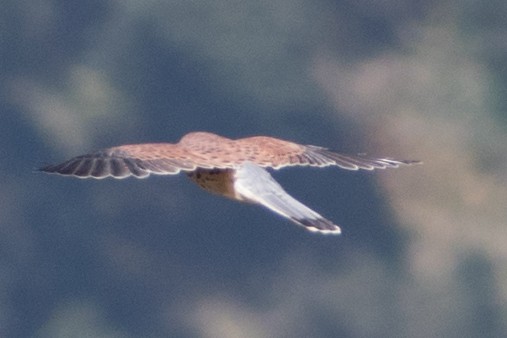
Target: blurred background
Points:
(423, 251)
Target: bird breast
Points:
(217, 181)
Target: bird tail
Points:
(256, 185)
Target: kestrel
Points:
(231, 168)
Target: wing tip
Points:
(321, 157)
(52, 171)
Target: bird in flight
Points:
(232, 168)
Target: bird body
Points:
(231, 168)
(217, 181)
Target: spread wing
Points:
(207, 150)
(255, 184)
(137, 160)
(276, 153)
